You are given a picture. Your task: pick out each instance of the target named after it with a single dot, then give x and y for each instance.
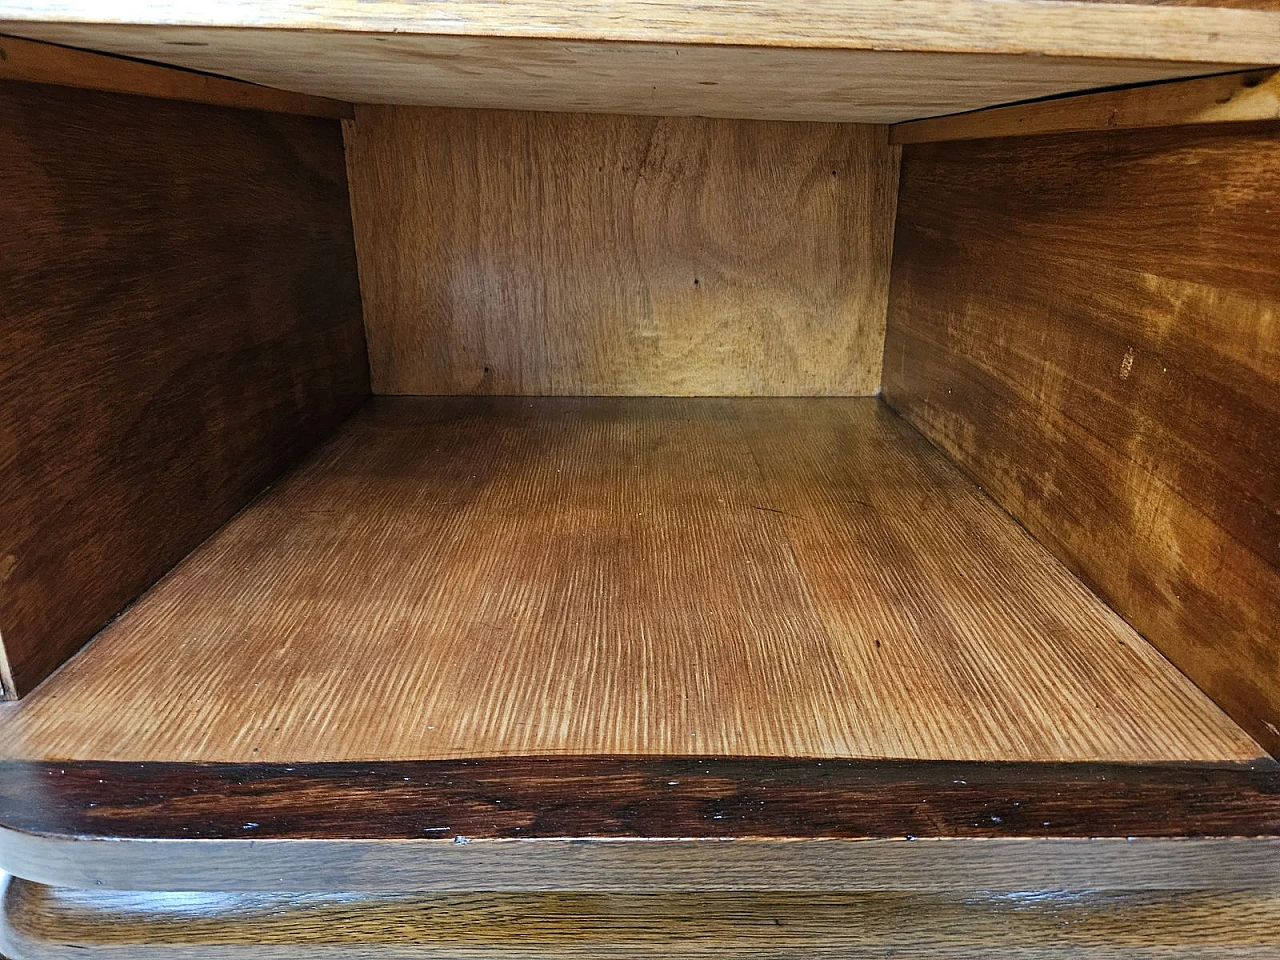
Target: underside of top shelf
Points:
(841, 60)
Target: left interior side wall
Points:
(180, 321)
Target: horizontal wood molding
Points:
(790, 812)
(550, 798)
(550, 254)
(1231, 98)
(48, 923)
(1239, 32)
(1072, 319)
(180, 321)
(48, 63)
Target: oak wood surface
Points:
(180, 321)
(1241, 31)
(48, 63)
(495, 576)
(1228, 98)
(49, 923)
(1003, 865)
(1088, 324)
(704, 78)
(538, 253)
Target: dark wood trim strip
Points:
(637, 799)
(36, 62)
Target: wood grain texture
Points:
(1001, 865)
(47, 63)
(553, 254)
(642, 824)
(180, 320)
(1239, 31)
(48, 923)
(1229, 98)
(596, 798)
(707, 78)
(486, 577)
(1088, 324)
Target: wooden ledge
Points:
(46, 923)
(1234, 31)
(35, 62)
(864, 61)
(1230, 98)
(588, 823)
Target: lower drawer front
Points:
(41, 923)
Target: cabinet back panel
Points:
(576, 254)
(1090, 324)
(180, 320)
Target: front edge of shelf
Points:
(641, 823)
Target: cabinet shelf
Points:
(470, 577)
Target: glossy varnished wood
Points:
(45, 923)
(1088, 324)
(180, 320)
(525, 253)
(1229, 98)
(48, 63)
(488, 577)
(638, 799)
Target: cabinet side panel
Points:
(180, 320)
(1090, 325)
(577, 254)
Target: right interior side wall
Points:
(1090, 325)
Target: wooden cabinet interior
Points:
(1073, 322)
(181, 321)
(641, 555)
(621, 255)
(514, 577)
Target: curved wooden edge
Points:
(1228, 98)
(44, 923)
(35, 62)
(658, 824)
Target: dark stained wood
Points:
(47, 923)
(637, 799)
(180, 320)
(1089, 325)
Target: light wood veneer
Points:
(503, 577)
(568, 254)
(832, 60)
